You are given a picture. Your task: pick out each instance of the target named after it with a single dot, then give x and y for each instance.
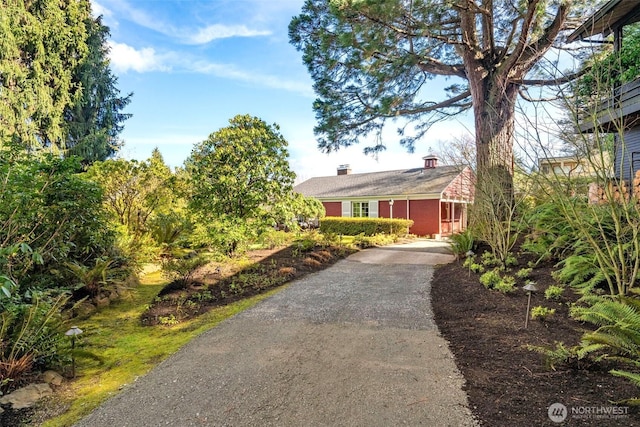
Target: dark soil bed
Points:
(507, 384)
(217, 284)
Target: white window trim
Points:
(346, 209)
(373, 209)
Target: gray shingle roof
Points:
(398, 182)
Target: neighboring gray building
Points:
(620, 114)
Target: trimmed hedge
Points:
(367, 226)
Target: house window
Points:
(360, 209)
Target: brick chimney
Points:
(344, 170)
(430, 161)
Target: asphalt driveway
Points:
(352, 345)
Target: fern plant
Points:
(461, 243)
(92, 279)
(580, 272)
(618, 321)
(618, 334)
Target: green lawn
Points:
(127, 349)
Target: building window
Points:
(360, 209)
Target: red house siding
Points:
(399, 209)
(425, 215)
(333, 208)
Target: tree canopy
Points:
(94, 122)
(56, 87)
(40, 47)
(240, 173)
(373, 61)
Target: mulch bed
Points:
(507, 384)
(216, 285)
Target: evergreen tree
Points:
(372, 62)
(94, 122)
(41, 44)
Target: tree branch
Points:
(523, 93)
(551, 82)
(514, 56)
(451, 102)
(433, 66)
(535, 51)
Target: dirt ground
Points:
(507, 384)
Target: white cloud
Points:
(124, 58)
(271, 81)
(185, 35)
(218, 31)
(99, 10)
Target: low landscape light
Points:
(73, 332)
(529, 287)
(469, 254)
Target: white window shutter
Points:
(373, 209)
(346, 209)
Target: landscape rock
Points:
(84, 308)
(52, 377)
(102, 302)
(27, 396)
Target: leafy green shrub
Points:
(490, 279)
(506, 285)
(461, 243)
(488, 259)
(477, 268)
(301, 246)
(553, 292)
(473, 266)
(274, 238)
(363, 241)
(367, 226)
(510, 260)
(182, 270)
(524, 273)
(542, 313)
(47, 204)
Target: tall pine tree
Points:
(95, 120)
(41, 44)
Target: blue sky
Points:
(192, 65)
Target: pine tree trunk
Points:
(494, 111)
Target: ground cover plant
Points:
(219, 283)
(509, 384)
(115, 349)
